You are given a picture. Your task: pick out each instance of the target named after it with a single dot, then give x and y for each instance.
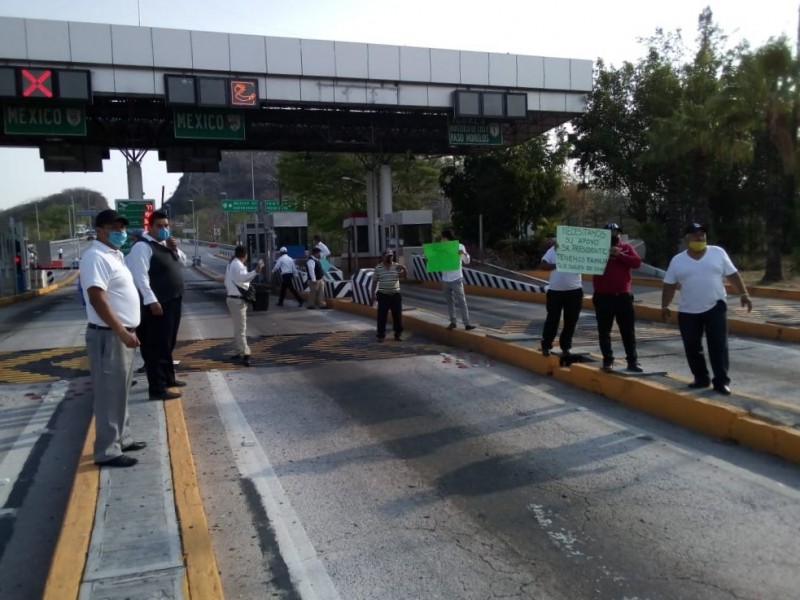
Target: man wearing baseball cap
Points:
(285, 267)
(699, 271)
(113, 313)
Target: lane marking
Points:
(69, 558)
(202, 574)
(306, 571)
(14, 461)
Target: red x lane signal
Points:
(37, 83)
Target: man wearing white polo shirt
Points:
(565, 293)
(113, 312)
(699, 270)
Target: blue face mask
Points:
(117, 238)
(163, 234)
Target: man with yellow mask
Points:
(699, 271)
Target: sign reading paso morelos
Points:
(208, 125)
(474, 132)
(23, 119)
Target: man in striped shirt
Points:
(386, 281)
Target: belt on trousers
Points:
(102, 328)
(237, 297)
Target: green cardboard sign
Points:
(582, 249)
(442, 256)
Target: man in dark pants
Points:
(699, 271)
(386, 281)
(565, 293)
(285, 267)
(156, 263)
(613, 300)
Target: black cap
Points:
(694, 228)
(315, 250)
(612, 227)
(108, 216)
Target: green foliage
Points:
(513, 188)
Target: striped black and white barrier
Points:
(338, 289)
(362, 286)
(477, 278)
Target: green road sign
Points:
(24, 119)
(135, 211)
(208, 125)
(250, 206)
(474, 132)
(273, 206)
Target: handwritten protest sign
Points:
(582, 249)
(441, 256)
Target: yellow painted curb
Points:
(7, 300)
(705, 416)
(201, 564)
(69, 559)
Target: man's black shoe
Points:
(134, 446)
(165, 395)
(246, 360)
(236, 357)
(545, 351)
(695, 385)
(119, 461)
(608, 367)
(177, 383)
(142, 369)
(398, 338)
(279, 304)
(324, 307)
(451, 326)
(723, 389)
(634, 368)
(469, 327)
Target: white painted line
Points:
(306, 571)
(14, 461)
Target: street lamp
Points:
(227, 219)
(194, 227)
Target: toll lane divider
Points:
(682, 408)
(8, 300)
(648, 312)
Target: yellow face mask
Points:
(697, 246)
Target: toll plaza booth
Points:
(405, 232)
(289, 229)
(356, 229)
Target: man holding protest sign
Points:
(613, 300)
(565, 293)
(437, 255)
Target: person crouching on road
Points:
(113, 312)
(316, 280)
(386, 282)
(699, 271)
(285, 267)
(237, 276)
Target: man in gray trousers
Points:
(453, 286)
(113, 313)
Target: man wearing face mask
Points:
(156, 263)
(113, 312)
(699, 271)
(613, 300)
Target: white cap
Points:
(283, 250)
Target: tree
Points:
(513, 188)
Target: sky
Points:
(570, 28)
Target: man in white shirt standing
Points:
(699, 270)
(453, 286)
(237, 276)
(157, 264)
(316, 280)
(284, 266)
(113, 312)
(324, 251)
(565, 293)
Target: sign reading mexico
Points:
(582, 249)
